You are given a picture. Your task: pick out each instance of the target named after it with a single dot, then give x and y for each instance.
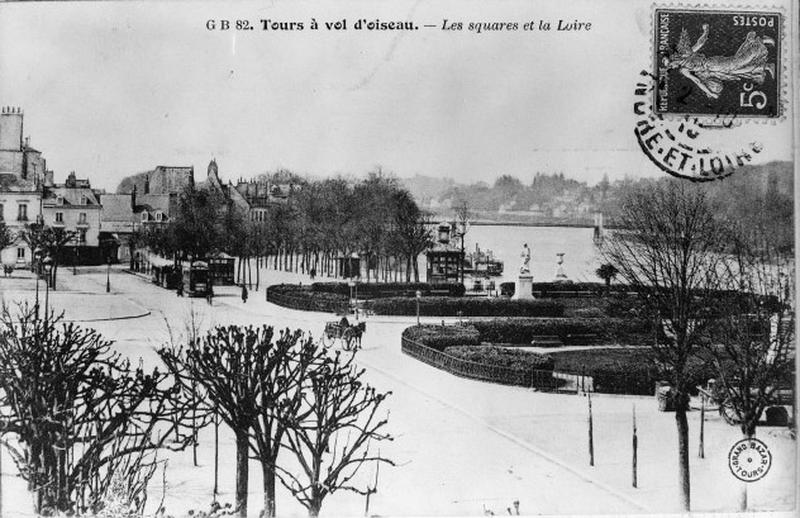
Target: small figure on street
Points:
(344, 323)
(180, 290)
(244, 294)
(210, 295)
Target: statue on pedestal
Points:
(525, 265)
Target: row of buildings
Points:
(102, 223)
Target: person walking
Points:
(180, 290)
(210, 295)
(244, 294)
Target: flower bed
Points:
(502, 357)
(605, 331)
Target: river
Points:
(581, 258)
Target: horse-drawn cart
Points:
(348, 335)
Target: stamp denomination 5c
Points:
(710, 62)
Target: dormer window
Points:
(145, 216)
(159, 216)
(84, 200)
(59, 200)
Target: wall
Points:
(71, 217)
(10, 202)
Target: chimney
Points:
(133, 199)
(147, 184)
(27, 141)
(48, 178)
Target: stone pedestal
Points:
(524, 287)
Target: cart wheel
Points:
(728, 413)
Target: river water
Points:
(581, 257)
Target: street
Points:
(461, 447)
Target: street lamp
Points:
(108, 274)
(37, 254)
(48, 265)
(419, 296)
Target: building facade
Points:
(22, 171)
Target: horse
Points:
(353, 334)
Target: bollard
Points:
(591, 434)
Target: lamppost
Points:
(75, 255)
(419, 296)
(48, 265)
(108, 274)
(37, 254)
(461, 228)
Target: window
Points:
(84, 200)
(145, 216)
(159, 216)
(82, 218)
(82, 237)
(1, 212)
(20, 253)
(59, 217)
(22, 214)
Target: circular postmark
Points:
(749, 460)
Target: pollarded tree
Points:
(607, 272)
(244, 374)
(669, 248)
(331, 422)
(81, 418)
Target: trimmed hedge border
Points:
(301, 297)
(541, 379)
(469, 307)
(391, 289)
(305, 298)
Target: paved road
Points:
(462, 446)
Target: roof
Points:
(14, 183)
(116, 207)
(152, 203)
(71, 196)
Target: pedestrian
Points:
(210, 295)
(244, 294)
(180, 289)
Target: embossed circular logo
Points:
(749, 460)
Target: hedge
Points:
(450, 306)
(302, 298)
(624, 370)
(390, 289)
(440, 337)
(503, 357)
(568, 288)
(607, 330)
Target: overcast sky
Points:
(110, 89)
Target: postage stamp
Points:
(749, 460)
(712, 62)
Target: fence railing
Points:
(540, 379)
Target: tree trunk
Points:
(241, 472)
(683, 453)
(269, 489)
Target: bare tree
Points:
(80, 416)
(752, 342)
(244, 373)
(670, 250)
(331, 421)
